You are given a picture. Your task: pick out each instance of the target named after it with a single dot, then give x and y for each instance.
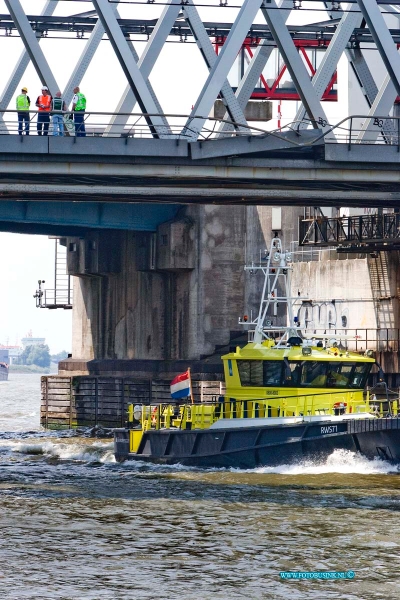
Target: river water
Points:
(77, 526)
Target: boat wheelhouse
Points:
(289, 383)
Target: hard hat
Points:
(24, 89)
(44, 87)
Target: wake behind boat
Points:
(289, 396)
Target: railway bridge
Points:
(158, 210)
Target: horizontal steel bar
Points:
(185, 194)
(144, 27)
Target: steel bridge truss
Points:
(343, 33)
(364, 233)
(273, 90)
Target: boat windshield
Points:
(306, 373)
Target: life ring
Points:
(340, 405)
(340, 408)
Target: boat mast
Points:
(275, 268)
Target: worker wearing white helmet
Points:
(43, 103)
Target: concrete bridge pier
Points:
(157, 302)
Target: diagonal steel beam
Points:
(85, 59)
(370, 90)
(384, 98)
(382, 105)
(368, 85)
(255, 68)
(325, 71)
(192, 17)
(294, 64)
(220, 70)
(383, 39)
(127, 61)
(31, 44)
(359, 65)
(363, 74)
(146, 64)
(117, 122)
(20, 67)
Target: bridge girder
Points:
(160, 171)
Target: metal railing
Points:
(352, 130)
(55, 298)
(302, 406)
(362, 229)
(105, 124)
(353, 340)
(311, 254)
(356, 130)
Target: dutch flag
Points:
(180, 386)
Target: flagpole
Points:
(191, 388)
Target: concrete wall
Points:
(340, 294)
(120, 315)
(354, 294)
(175, 309)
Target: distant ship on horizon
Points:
(4, 362)
(3, 371)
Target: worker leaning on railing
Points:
(23, 103)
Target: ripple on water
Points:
(76, 525)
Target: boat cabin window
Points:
(273, 372)
(306, 373)
(292, 373)
(313, 374)
(339, 375)
(360, 374)
(250, 372)
(334, 374)
(259, 373)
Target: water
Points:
(77, 526)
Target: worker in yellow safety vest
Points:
(78, 110)
(23, 103)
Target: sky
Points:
(24, 260)
(177, 79)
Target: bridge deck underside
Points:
(123, 186)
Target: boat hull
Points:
(251, 447)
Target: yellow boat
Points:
(289, 396)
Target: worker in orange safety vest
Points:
(43, 103)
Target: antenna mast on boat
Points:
(275, 265)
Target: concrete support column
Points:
(171, 295)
